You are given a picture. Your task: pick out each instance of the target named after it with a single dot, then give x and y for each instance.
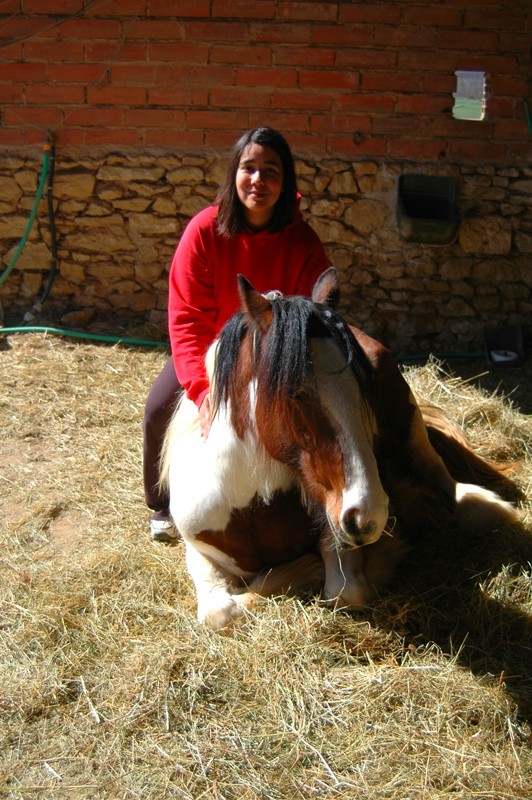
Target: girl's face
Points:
(259, 183)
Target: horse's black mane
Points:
(282, 355)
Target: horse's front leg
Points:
(345, 584)
(354, 577)
(219, 604)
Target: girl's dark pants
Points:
(157, 414)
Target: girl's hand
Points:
(205, 416)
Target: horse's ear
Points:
(327, 289)
(254, 304)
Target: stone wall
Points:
(118, 217)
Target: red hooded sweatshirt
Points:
(203, 291)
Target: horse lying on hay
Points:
(318, 457)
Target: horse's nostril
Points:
(368, 529)
(360, 535)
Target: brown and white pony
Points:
(315, 458)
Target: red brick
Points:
(176, 139)
(77, 73)
(355, 146)
(302, 101)
(199, 75)
(114, 136)
(69, 136)
(416, 149)
(508, 130)
(67, 8)
(118, 8)
(116, 95)
(53, 51)
(341, 123)
(10, 7)
(151, 30)
(20, 73)
(342, 35)
(382, 13)
(88, 117)
(141, 75)
(407, 36)
(215, 32)
(273, 78)
(392, 82)
(178, 53)
(429, 61)
(154, 118)
(216, 119)
(231, 97)
(370, 59)
(231, 54)
(431, 15)
(312, 143)
(14, 28)
(360, 101)
(82, 29)
(422, 104)
(397, 127)
(187, 8)
(328, 79)
(224, 139)
(13, 51)
(313, 11)
(11, 136)
(500, 107)
(41, 116)
(104, 52)
(507, 87)
(61, 95)
(283, 32)
(11, 93)
(438, 84)
(304, 56)
(477, 151)
(283, 120)
(508, 19)
(178, 96)
(258, 9)
(472, 41)
(515, 43)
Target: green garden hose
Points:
(97, 337)
(44, 174)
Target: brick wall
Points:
(347, 78)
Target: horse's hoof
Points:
(225, 618)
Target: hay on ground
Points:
(110, 689)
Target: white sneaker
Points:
(162, 529)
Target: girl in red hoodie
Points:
(255, 229)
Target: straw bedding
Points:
(110, 689)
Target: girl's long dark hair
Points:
(231, 218)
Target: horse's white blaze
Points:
(364, 500)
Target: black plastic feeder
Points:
(426, 209)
